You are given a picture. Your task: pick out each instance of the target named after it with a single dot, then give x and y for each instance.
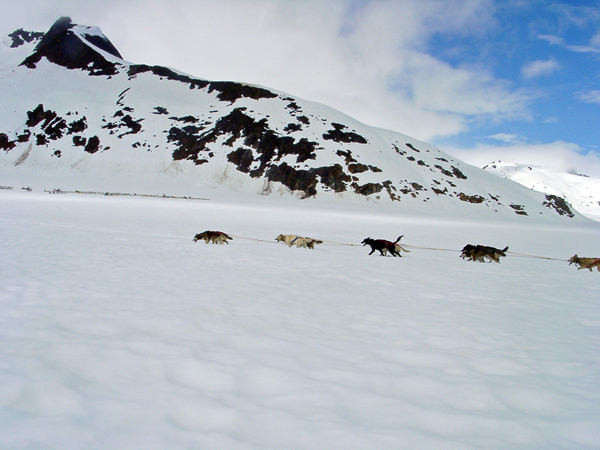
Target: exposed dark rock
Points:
(347, 155)
(62, 47)
(24, 137)
(333, 177)
(93, 145)
(189, 143)
(444, 171)
(41, 139)
(559, 204)
(471, 198)
(337, 135)
(242, 158)
(20, 37)
(409, 145)
(375, 169)
(230, 91)
(5, 143)
(185, 119)
(159, 110)
(400, 152)
(389, 187)
(296, 180)
(79, 141)
(458, 174)
(133, 125)
(367, 189)
(291, 127)
(268, 145)
(169, 74)
(38, 114)
(357, 168)
(77, 126)
(303, 119)
(55, 129)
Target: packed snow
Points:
(119, 332)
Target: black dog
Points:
(383, 246)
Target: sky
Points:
(484, 80)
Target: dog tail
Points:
(505, 249)
(398, 240)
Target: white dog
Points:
(298, 241)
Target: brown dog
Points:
(585, 263)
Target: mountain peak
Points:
(75, 47)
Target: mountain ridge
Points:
(581, 191)
(78, 112)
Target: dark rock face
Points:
(51, 127)
(20, 37)
(61, 46)
(228, 90)
(5, 143)
(559, 204)
(338, 135)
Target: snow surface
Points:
(119, 332)
(581, 191)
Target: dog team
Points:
(470, 252)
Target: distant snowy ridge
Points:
(581, 191)
(77, 116)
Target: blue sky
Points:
(482, 79)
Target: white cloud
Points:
(589, 97)
(505, 137)
(552, 40)
(539, 68)
(559, 155)
(583, 49)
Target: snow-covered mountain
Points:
(581, 191)
(77, 116)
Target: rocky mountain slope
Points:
(76, 115)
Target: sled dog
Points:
(298, 241)
(585, 263)
(480, 252)
(216, 237)
(384, 246)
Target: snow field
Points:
(120, 332)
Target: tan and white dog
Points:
(585, 263)
(298, 241)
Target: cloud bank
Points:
(560, 156)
